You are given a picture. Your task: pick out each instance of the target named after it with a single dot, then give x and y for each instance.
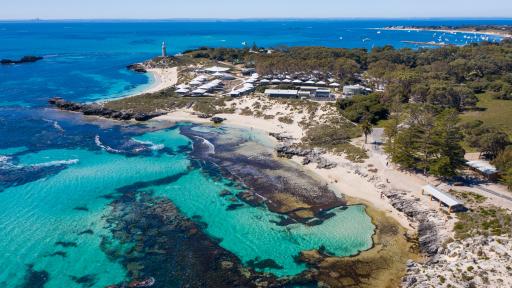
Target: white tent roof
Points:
(297, 81)
(195, 82)
(217, 69)
(446, 198)
(321, 83)
(227, 76)
(310, 82)
(264, 81)
(199, 91)
(182, 86)
(182, 90)
(335, 85)
(287, 81)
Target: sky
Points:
(235, 9)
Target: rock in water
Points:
(139, 68)
(24, 59)
(217, 120)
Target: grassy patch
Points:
(334, 136)
(469, 198)
(481, 219)
(165, 99)
(168, 100)
(352, 152)
(497, 113)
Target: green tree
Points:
(427, 142)
(367, 129)
(504, 164)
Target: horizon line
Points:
(251, 19)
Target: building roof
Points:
(308, 88)
(182, 90)
(182, 86)
(199, 91)
(281, 92)
(446, 198)
(353, 87)
(482, 166)
(216, 69)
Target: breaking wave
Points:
(105, 147)
(211, 147)
(57, 163)
(151, 145)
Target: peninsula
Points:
(498, 30)
(360, 121)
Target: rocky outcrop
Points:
(217, 120)
(101, 111)
(474, 262)
(23, 60)
(310, 155)
(428, 220)
(139, 68)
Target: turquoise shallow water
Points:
(36, 215)
(53, 174)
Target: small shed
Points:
(444, 198)
(485, 169)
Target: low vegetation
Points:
(167, 100)
(481, 219)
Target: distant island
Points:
(23, 60)
(500, 30)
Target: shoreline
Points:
(342, 179)
(162, 78)
(159, 79)
(488, 33)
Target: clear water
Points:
(36, 215)
(86, 61)
(51, 167)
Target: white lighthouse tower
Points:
(164, 50)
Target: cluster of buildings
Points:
(247, 86)
(208, 82)
(211, 81)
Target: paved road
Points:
(495, 193)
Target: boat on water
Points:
(136, 284)
(145, 283)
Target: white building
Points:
(282, 93)
(351, 90)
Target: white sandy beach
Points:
(162, 79)
(341, 179)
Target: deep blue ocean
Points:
(57, 168)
